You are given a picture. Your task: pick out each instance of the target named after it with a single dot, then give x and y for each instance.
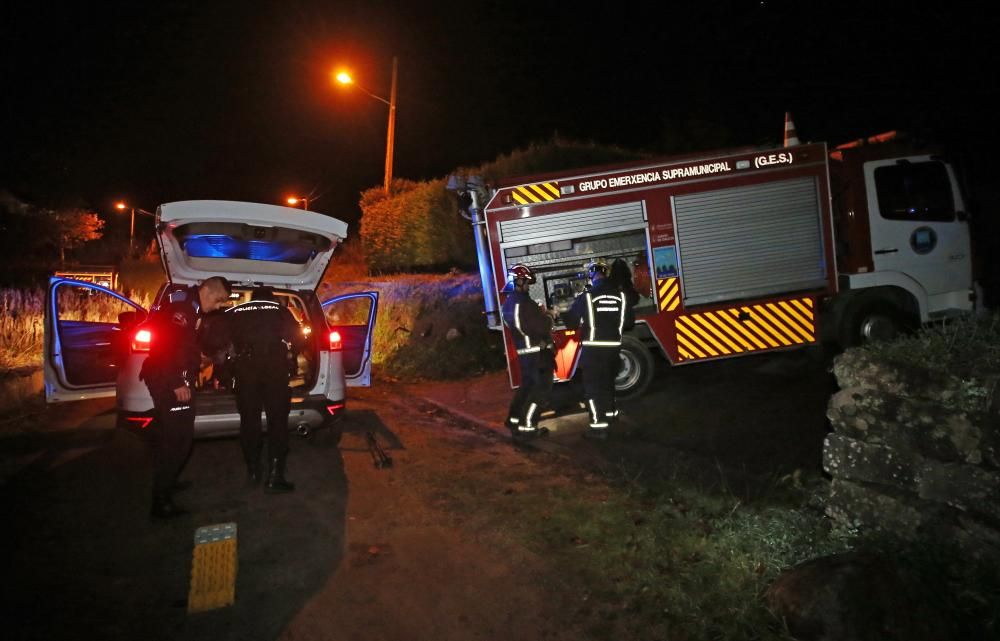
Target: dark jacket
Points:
(601, 314)
(530, 328)
(174, 356)
(263, 331)
(621, 276)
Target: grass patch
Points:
(661, 559)
(22, 319)
(965, 347)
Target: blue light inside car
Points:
(222, 246)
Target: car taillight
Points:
(141, 422)
(141, 340)
(334, 407)
(335, 343)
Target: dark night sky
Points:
(160, 101)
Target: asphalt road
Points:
(85, 561)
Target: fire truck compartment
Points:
(750, 241)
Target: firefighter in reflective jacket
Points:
(170, 371)
(264, 334)
(531, 330)
(600, 314)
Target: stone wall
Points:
(914, 453)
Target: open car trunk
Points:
(215, 387)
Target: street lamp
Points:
(121, 206)
(295, 200)
(345, 78)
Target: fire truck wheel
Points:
(636, 370)
(871, 321)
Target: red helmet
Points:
(518, 271)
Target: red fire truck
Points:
(741, 252)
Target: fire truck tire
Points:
(636, 372)
(871, 321)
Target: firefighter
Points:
(170, 371)
(265, 336)
(601, 314)
(531, 329)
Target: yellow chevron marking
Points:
(691, 334)
(738, 330)
(752, 324)
(718, 332)
(552, 189)
(801, 324)
(716, 341)
(540, 192)
(689, 347)
(787, 323)
(776, 326)
(668, 289)
(721, 332)
(806, 312)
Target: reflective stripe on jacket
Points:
(530, 328)
(601, 315)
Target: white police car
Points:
(96, 342)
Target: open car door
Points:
(352, 316)
(86, 339)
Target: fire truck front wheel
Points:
(872, 321)
(636, 371)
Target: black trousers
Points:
(173, 433)
(263, 385)
(599, 367)
(534, 391)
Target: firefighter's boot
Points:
(276, 481)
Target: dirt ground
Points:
(358, 551)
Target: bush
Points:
(965, 347)
(415, 316)
(417, 227)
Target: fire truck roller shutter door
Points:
(750, 241)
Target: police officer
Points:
(170, 371)
(601, 313)
(531, 330)
(264, 334)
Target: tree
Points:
(72, 228)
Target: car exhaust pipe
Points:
(302, 429)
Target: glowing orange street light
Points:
(295, 200)
(344, 78)
(121, 206)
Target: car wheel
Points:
(636, 370)
(870, 322)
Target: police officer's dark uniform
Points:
(264, 333)
(171, 368)
(531, 331)
(601, 314)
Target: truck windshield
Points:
(919, 191)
